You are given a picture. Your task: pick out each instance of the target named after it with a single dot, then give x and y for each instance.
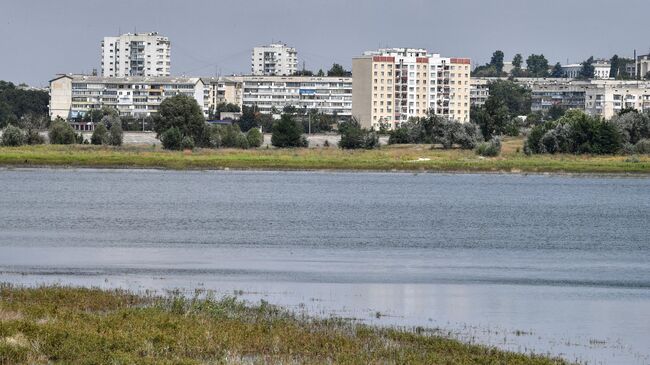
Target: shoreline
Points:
(70, 323)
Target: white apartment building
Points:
(140, 54)
(219, 90)
(608, 98)
(72, 96)
(327, 95)
(392, 85)
(274, 60)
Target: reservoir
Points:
(553, 264)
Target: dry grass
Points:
(400, 158)
(90, 326)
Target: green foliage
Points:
(171, 139)
(16, 102)
(633, 125)
(287, 133)
(555, 112)
(32, 137)
(497, 61)
(491, 148)
(100, 135)
(517, 98)
(557, 71)
(183, 113)
(517, 61)
(436, 129)
(575, 132)
(116, 135)
(187, 143)
(537, 65)
(355, 137)
(255, 138)
(642, 146)
(12, 136)
(62, 133)
(498, 116)
(241, 141)
(338, 71)
(249, 119)
(587, 70)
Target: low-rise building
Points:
(479, 91)
(601, 70)
(72, 96)
(327, 95)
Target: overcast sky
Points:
(40, 38)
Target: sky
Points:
(42, 38)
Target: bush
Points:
(32, 137)
(255, 138)
(171, 139)
(183, 113)
(489, 149)
(62, 133)
(633, 125)
(353, 136)
(12, 137)
(187, 143)
(436, 129)
(642, 147)
(116, 135)
(100, 135)
(287, 133)
(241, 141)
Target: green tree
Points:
(254, 137)
(337, 71)
(287, 133)
(249, 119)
(537, 65)
(116, 135)
(171, 139)
(185, 114)
(557, 71)
(187, 143)
(12, 137)
(516, 64)
(555, 112)
(497, 61)
(62, 133)
(17, 102)
(517, 98)
(320, 73)
(355, 137)
(615, 64)
(100, 135)
(587, 70)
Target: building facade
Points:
(72, 96)
(218, 90)
(140, 54)
(601, 70)
(479, 91)
(327, 95)
(643, 67)
(274, 60)
(392, 85)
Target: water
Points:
(549, 264)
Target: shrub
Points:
(100, 135)
(183, 113)
(241, 141)
(12, 137)
(287, 133)
(62, 133)
(353, 136)
(642, 147)
(255, 138)
(489, 149)
(229, 135)
(116, 135)
(187, 143)
(171, 139)
(32, 137)
(633, 125)
(435, 129)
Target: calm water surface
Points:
(549, 264)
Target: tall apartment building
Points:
(72, 96)
(140, 54)
(274, 60)
(392, 85)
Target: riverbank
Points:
(76, 325)
(399, 158)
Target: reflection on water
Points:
(553, 265)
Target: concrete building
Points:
(642, 66)
(274, 60)
(228, 90)
(392, 85)
(327, 95)
(479, 91)
(140, 54)
(72, 96)
(601, 70)
(567, 94)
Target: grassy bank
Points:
(90, 326)
(403, 158)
